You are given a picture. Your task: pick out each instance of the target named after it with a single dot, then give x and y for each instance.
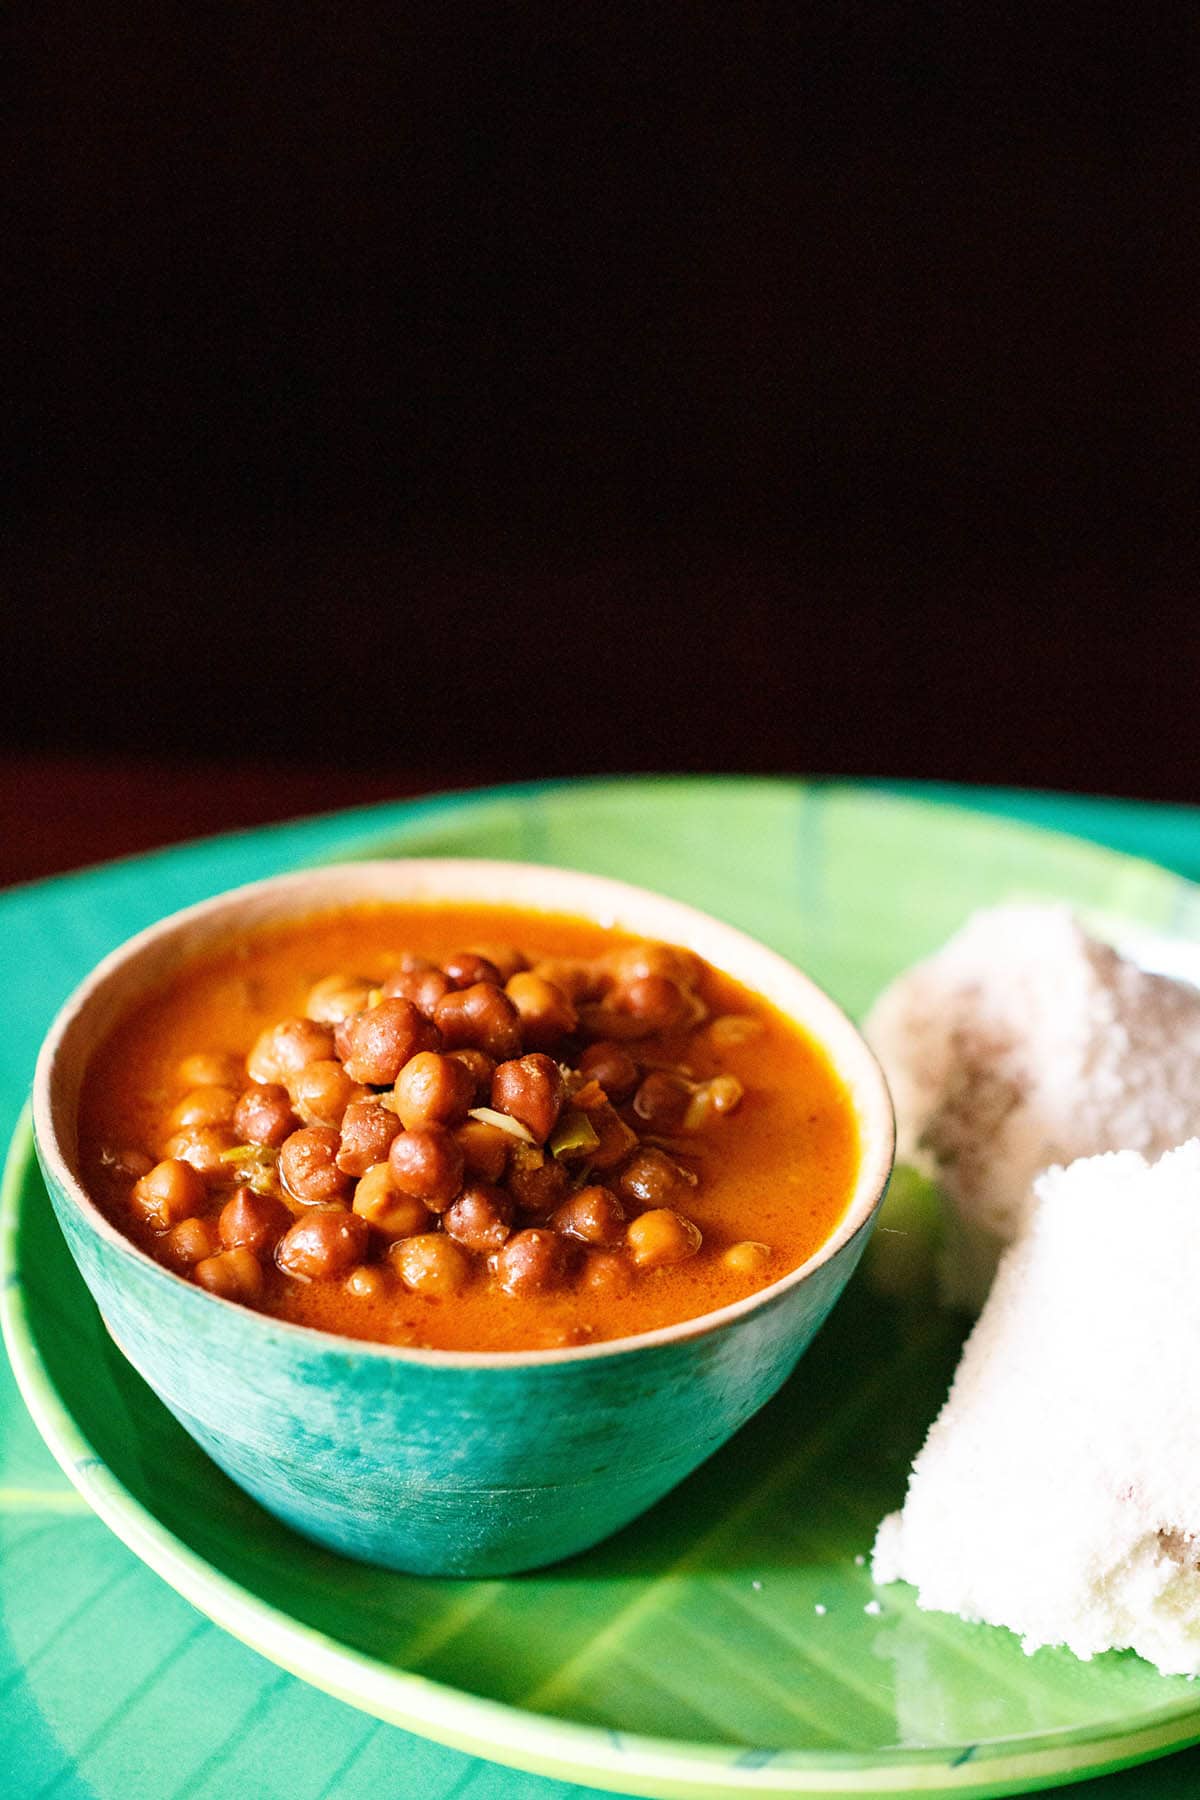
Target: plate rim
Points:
(499, 1731)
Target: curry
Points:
(467, 1128)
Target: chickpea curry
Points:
(467, 1128)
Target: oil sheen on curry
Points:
(467, 1128)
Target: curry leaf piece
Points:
(574, 1135)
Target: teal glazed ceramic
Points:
(432, 1461)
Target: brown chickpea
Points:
(662, 1101)
(638, 1010)
(427, 1163)
(203, 1146)
(282, 1049)
(601, 1020)
(607, 1272)
(250, 1221)
(366, 1283)
(264, 1115)
(530, 1089)
(204, 1106)
(327, 1240)
(652, 1179)
(211, 1069)
(656, 1000)
(749, 1257)
(536, 1181)
(308, 1165)
(379, 1201)
(577, 979)
(480, 1018)
(633, 962)
(231, 1274)
(366, 1136)
(485, 1149)
(171, 1191)
(464, 968)
(547, 1015)
(189, 1242)
(126, 1165)
(433, 1265)
(433, 1090)
(616, 1139)
(612, 1066)
(481, 1218)
(594, 1215)
(418, 981)
(662, 1237)
(338, 997)
(533, 1262)
(480, 1066)
(640, 1006)
(321, 1092)
(506, 958)
(382, 1040)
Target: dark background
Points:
(410, 397)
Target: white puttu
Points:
(1024, 1042)
(1058, 1492)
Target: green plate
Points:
(730, 1642)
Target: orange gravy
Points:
(780, 1169)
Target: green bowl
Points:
(432, 1461)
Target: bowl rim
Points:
(597, 899)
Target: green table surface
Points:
(82, 1713)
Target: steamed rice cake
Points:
(1026, 1041)
(1058, 1491)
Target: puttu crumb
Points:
(820, 1610)
(873, 1608)
(860, 1561)
(757, 1586)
